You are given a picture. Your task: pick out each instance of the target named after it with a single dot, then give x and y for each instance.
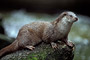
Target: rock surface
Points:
(43, 52)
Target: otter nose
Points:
(76, 18)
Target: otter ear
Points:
(64, 13)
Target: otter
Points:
(49, 32)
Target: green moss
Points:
(41, 55)
(35, 56)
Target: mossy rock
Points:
(43, 52)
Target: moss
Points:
(31, 57)
(41, 55)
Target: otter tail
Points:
(11, 48)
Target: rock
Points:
(43, 52)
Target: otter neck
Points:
(64, 26)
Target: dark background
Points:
(47, 6)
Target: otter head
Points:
(69, 16)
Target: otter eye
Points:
(70, 15)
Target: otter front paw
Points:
(54, 45)
(30, 47)
(70, 44)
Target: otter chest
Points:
(62, 32)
